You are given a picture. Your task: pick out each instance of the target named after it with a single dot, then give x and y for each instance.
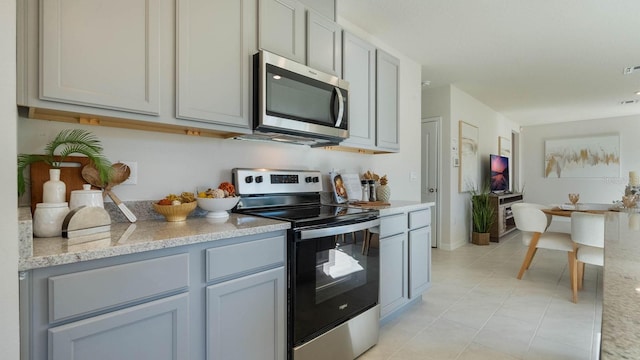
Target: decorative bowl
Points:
(175, 212)
(217, 207)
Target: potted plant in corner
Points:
(70, 141)
(482, 215)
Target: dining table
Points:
(620, 328)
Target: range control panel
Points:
(267, 181)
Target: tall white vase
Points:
(54, 190)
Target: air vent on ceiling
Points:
(627, 102)
(630, 69)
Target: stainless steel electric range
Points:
(332, 286)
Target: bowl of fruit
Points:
(218, 201)
(176, 207)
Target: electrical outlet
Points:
(413, 176)
(133, 176)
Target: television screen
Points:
(499, 173)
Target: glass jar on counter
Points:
(365, 190)
(372, 190)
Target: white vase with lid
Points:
(54, 190)
(85, 197)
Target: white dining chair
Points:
(587, 232)
(533, 223)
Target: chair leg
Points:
(365, 242)
(573, 273)
(580, 274)
(535, 251)
(530, 253)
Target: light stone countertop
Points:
(403, 205)
(621, 287)
(128, 238)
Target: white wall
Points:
(592, 190)
(9, 341)
(454, 105)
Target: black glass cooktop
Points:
(313, 215)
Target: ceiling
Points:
(533, 61)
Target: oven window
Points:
(339, 270)
(333, 281)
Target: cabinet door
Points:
(358, 69)
(281, 28)
(388, 81)
(215, 40)
(152, 331)
(324, 44)
(246, 317)
(101, 53)
(419, 261)
(393, 273)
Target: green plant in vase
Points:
(482, 215)
(67, 142)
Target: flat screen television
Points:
(499, 173)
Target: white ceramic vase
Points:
(48, 219)
(54, 190)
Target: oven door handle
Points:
(337, 230)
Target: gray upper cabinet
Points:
(87, 58)
(358, 68)
(289, 29)
(326, 8)
(215, 40)
(281, 28)
(324, 44)
(387, 97)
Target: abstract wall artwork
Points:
(469, 170)
(586, 157)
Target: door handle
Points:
(432, 190)
(340, 108)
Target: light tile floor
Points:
(477, 309)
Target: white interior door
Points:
(430, 178)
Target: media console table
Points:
(504, 222)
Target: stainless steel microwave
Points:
(295, 102)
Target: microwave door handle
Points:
(340, 107)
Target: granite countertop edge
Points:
(131, 238)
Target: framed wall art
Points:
(504, 146)
(469, 169)
(585, 157)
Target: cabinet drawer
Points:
(226, 261)
(420, 218)
(92, 290)
(393, 224)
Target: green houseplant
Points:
(70, 141)
(482, 215)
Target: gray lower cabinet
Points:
(419, 264)
(217, 300)
(156, 330)
(405, 258)
(245, 317)
(393, 273)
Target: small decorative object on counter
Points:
(176, 207)
(86, 197)
(372, 190)
(54, 190)
(365, 190)
(383, 191)
(48, 219)
(218, 201)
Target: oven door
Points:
(331, 280)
